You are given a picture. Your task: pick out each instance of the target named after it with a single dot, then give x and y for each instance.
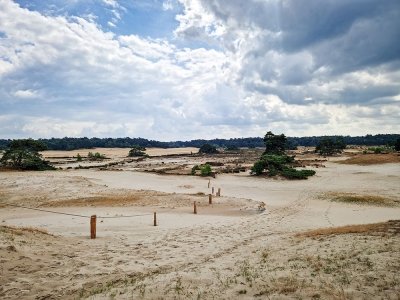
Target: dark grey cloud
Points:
(299, 49)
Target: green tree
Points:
(137, 151)
(274, 144)
(329, 146)
(208, 149)
(275, 162)
(24, 154)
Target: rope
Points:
(131, 216)
(48, 211)
(81, 216)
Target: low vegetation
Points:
(24, 155)
(95, 156)
(360, 199)
(137, 151)
(383, 227)
(208, 149)
(205, 170)
(371, 159)
(330, 146)
(274, 160)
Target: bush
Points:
(258, 167)
(292, 173)
(194, 169)
(96, 156)
(328, 146)
(379, 150)
(137, 151)
(205, 170)
(208, 149)
(78, 157)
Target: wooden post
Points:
(219, 192)
(209, 199)
(208, 186)
(155, 219)
(194, 208)
(212, 190)
(93, 227)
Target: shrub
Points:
(96, 156)
(328, 146)
(78, 157)
(208, 149)
(292, 173)
(137, 151)
(205, 170)
(194, 169)
(258, 167)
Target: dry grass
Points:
(22, 230)
(107, 200)
(371, 159)
(361, 199)
(384, 227)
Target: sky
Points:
(188, 69)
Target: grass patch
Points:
(371, 159)
(361, 199)
(383, 227)
(22, 230)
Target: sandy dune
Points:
(228, 250)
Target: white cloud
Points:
(168, 5)
(86, 81)
(26, 94)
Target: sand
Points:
(227, 250)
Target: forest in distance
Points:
(69, 143)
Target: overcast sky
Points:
(186, 69)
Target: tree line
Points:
(68, 143)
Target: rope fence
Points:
(93, 218)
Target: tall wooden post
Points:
(209, 199)
(208, 186)
(194, 208)
(155, 219)
(219, 192)
(212, 190)
(93, 227)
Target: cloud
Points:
(26, 94)
(168, 5)
(255, 71)
(283, 45)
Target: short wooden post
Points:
(219, 192)
(155, 219)
(212, 190)
(93, 227)
(209, 199)
(194, 208)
